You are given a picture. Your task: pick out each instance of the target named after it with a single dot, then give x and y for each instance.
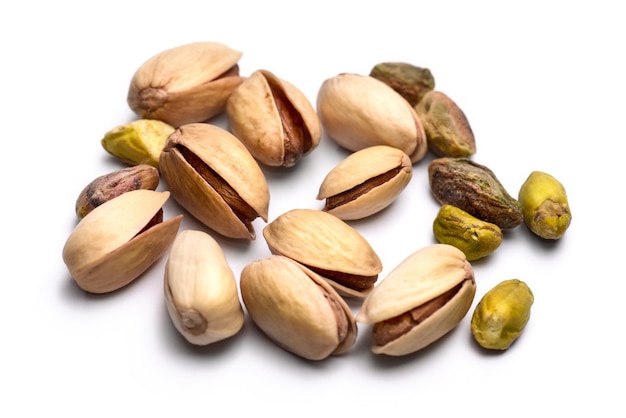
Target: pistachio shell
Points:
(201, 292)
(424, 276)
(365, 182)
(328, 246)
(296, 308)
(359, 111)
(239, 193)
(109, 248)
(185, 84)
(274, 119)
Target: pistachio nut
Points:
(544, 205)
(419, 301)
(411, 81)
(113, 184)
(476, 238)
(213, 176)
(296, 308)
(358, 111)
(475, 189)
(137, 142)
(502, 314)
(327, 245)
(185, 84)
(119, 240)
(201, 291)
(448, 131)
(365, 182)
(274, 119)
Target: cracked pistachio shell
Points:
(328, 246)
(296, 308)
(185, 84)
(137, 142)
(113, 184)
(476, 238)
(502, 314)
(201, 292)
(544, 205)
(213, 176)
(365, 182)
(119, 240)
(359, 111)
(274, 119)
(419, 301)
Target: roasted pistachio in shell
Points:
(359, 111)
(137, 142)
(185, 84)
(296, 308)
(274, 119)
(419, 301)
(545, 206)
(107, 186)
(119, 240)
(502, 314)
(327, 245)
(212, 175)
(365, 182)
(448, 132)
(474, 188)
(201, 292)
(475, 237)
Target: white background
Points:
(542, 84)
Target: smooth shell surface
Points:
(200, 289)
(106, 250)
(294, 308)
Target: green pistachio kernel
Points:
(544, 205)
(138, 142)
(502, 314)
(475, 237)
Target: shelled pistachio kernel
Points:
(365, 182)
(545, 206)
(502, 314)
(475, 237)
(411, 81)
(137, 142)
(113, 184)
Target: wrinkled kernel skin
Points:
(502, 314)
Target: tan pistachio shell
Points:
(365, 182)
(241, 193)
(274, 119)
(108, 249)
(423, 276)
(185, 84)
(327, 245)
(296, 308)
(201, 292)
(358, 111)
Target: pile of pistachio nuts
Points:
(298, 295)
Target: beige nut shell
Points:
(359, 111)
(201, 292)
(291, 305)
(262, 121)
(105, 251)
(419, 278)
(230, 159)
(355, 173)
(184, 83)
